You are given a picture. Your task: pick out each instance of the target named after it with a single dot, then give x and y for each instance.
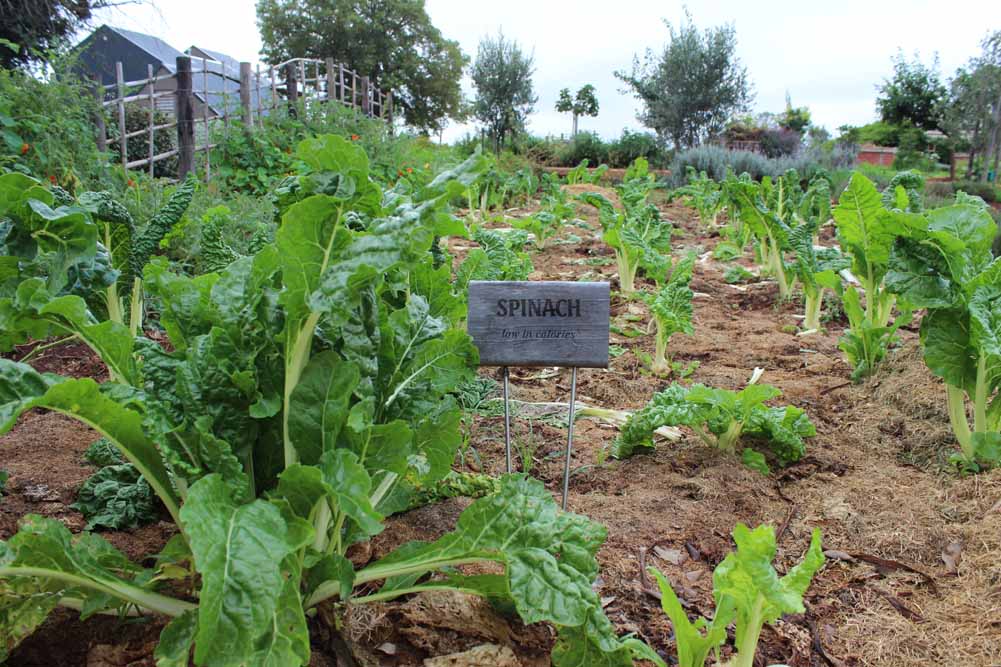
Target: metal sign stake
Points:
(566, 461)
(507, 421)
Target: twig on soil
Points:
(885, 564)
(644, 582)
(785, 524)
(901, 608)
(818, 645)
(824, 392)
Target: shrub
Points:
(780, 142)
(631, 145)
(47, 129)
(585, 146)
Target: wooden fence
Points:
(190, 103)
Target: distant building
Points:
(216, 85)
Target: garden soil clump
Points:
(912, 577)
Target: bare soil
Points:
(876, 481)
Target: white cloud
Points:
(828, 57)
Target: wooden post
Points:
(205, 118)
(328, 63)
(291, 89)
(305, 83)
(389, 111)
(257, 89)
(152, 116)
(274, 88)
(354, 91)
(185, 119)
(102, 130)
(366, 101)
(248, 117)
(123, 144)
(340, 78)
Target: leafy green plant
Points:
(737, 274)
(816, 268)
(762, 209)
(306, 393)
(748, 592)
(704, 194)
(866, 232)
(635, 232)
(671, 309)
(116, 497)
(500, 256)
(942, 262)
(722, 419)
(4, 477)
(581, 174)
(542, 225)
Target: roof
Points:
(165, 54)
(232, 64)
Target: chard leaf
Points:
(22, 388)
(747, 579)
(174, 646)
(694, 641)
(319, 404)
(241, 553)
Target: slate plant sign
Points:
(553, 323)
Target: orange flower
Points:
(354, 137)
(410, 170)
(131, 183)
(52, 179)
(25, 148)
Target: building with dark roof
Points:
(215, 80)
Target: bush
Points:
(47, 129)
(780, 142)
(631, 145)
(585, 146)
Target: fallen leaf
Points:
(672, 556)
(388, 648)
(834, 554)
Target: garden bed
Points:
(875, 480)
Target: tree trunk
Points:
(574, 133)
(992, 147)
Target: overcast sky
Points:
(827, 56)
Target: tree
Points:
(31, 28)
(391, 41)
(796, 119)
(584, 103)
(502, 76)
(915, 93)
(693, 87)
(972, 116)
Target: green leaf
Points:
(694, 641)
(319, 404)
(240, 552)
(21, 388)
(174, 647)
(747, 579)
(116, 497)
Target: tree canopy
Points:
(914, 93)
(502, 75)
(391, 41)
(693, 86)
(583, 103)
(30, 28)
